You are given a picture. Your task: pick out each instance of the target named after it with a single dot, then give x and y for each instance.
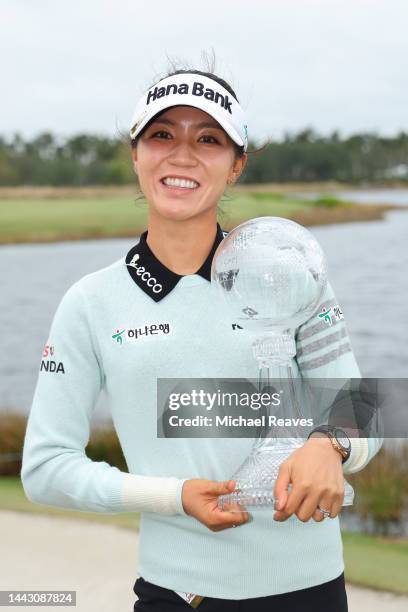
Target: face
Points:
(188, 144)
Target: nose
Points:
(182, 154)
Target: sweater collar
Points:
(153, 277)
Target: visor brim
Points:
(219, 117)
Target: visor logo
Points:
(197, 89)
(145, 275)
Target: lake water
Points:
(368, 268)
(364, 196)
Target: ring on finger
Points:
(326, 513)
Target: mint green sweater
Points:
(263, 557)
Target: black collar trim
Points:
(152, 276)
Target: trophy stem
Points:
(256, 477)
(274, 352)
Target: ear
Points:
(237, 168)
(134, 159)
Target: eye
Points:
(211, 137)
(161, 132)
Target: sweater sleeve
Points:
(323, 350)
(55, 469)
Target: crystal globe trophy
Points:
(272, 273)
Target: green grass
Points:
(330, 201)
(50, 219)
(12, 497)
(248, 205)
(376, 562)
(30, 220)
(370, 561)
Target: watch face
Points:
(342, 439)
(345, 442)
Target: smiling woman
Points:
(150, 315)
(184, 156)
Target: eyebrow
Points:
(203, 124)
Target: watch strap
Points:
(329, 431)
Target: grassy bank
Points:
(374, 562)
(12, 497)
(49, 214)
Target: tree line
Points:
(302, 157)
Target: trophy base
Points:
(256, 478)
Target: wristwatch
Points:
(338, 437)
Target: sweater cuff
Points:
(152, 494)
(179, 492)
(358, 455)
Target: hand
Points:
(200, 500)
(316, 474)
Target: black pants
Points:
(327, 597)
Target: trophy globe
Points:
(272, 274)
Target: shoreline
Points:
(31, 215)
(320, 215)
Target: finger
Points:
(280, 516)
(337, 504)
(280, 492)
(235, 522)
(221, 488)
(230, 514)
(294, 499)
(318, 516)
(334, 503)
(325, 503)
(234, 508)
(232, 517)
(308, 508)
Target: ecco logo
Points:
(197, 90)
(145, 275)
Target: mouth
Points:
(180, 183)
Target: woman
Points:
(151, 315)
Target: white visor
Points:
(193, 90)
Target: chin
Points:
(174, 212)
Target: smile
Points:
(179, 183)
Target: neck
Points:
(182, 246)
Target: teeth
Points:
(176, 182)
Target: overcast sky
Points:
(73, 66)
